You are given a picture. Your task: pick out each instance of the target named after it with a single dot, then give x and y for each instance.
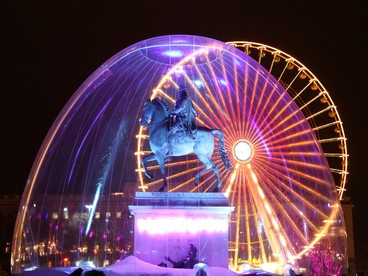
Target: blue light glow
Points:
(198, 83)
(223, 82)
(173, 53)
(105, 173)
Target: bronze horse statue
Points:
(156, 116)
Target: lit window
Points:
(66, 215)
(97, 216)
(7, 248)
(55, 215)
(108, 214)
(118, 214)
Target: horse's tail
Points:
(221, 148)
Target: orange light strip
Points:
(229, 96)
(274, 235)
(238, 220)
(225, 113)
(275, 175)
(253, 92)
(268, 184)
(263, 126)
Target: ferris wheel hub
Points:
(242, 151)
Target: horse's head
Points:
(154, 111)
(147, 113)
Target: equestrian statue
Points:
(176, 134)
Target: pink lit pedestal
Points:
(165, 224)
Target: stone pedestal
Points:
(165, 224)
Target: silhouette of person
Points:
(291, 272)
(189, 261)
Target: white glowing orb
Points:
(242, 151)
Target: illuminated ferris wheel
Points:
(313, 100)
(271, 150)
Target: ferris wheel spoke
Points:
(244, 109)
(270, 117)
(302, 192)
(294, 213)
(260, 115)
(229, 89)
(237, 93)
(297, 172)
(251, 91)
(282, 127)
(277, 196)
(219, 87)
(206, 112)
(209, 102)
(264, 211)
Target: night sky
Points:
(50, 47)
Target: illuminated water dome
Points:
(75, 204)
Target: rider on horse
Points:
(185, 115)
(155, 117)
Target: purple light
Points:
(86, 136)
(161, 226)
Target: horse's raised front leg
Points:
(149, 157)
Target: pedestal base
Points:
(165, 224)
